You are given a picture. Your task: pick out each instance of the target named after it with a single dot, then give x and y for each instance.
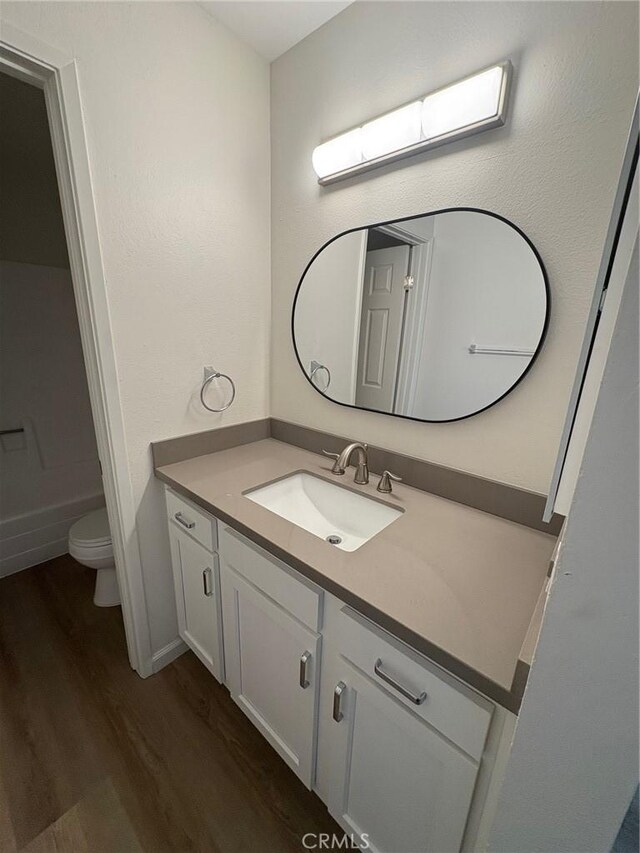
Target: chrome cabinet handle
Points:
(304, 662)
(207, 582)
(417, 700)
(338, 693)
(181, 519)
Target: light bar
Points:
(477, 103)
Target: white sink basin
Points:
(328, 511)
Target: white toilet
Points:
(90, 544)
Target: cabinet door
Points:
(196, 577)
(272, 670)
(395, 779)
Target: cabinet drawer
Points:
(450, 707)
(295, 594)
(187, 517)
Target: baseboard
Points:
(167, 654)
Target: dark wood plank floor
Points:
(94, 758)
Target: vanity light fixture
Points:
(479, 102)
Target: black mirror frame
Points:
(535, 355)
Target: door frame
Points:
(56, 74)
(585, 386)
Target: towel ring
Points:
(315, 369)
(216, 375)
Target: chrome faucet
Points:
(343, 459)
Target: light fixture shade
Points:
(393, 131)
(472, 105)
(463, 104)
(341, 152)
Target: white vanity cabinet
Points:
(403, 746)
(403, 754)
(196, 577)
(272, 648)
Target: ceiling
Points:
(271, 27)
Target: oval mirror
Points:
(434, 318)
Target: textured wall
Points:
(177, 120)
(552, 170)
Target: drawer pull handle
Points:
(417, 700)
(180, 518)
(304, 662)
(207, 582)
(338, 693)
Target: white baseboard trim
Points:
(167, 654)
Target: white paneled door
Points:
(381, 327)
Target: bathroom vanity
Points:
(387, 676)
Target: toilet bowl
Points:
(90, 544)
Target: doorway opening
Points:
(49, 468)
(54, 76)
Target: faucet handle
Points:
(337, 469)
(385, 482)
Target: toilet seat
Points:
(96, 556)
(91, 531)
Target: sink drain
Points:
(334, 539)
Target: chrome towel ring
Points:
(315, 367)
(209, 376)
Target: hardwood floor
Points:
(94, 758)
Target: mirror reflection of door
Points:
(381, 326)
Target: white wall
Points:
(53, 466)
(327, 318)
(552, 170)
(574, 764)
(486, 287)
(177, 120)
